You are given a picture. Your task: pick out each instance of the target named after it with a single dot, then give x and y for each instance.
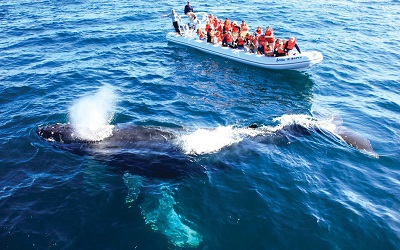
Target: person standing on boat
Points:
(188, 8)
(175, 18)
(290, 45)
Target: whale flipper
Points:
(158, 211)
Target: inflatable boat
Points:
(296, 61)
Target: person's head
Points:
(269, 28)
(173, 11)
(291, 39)
(188, 3)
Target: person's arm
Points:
(298, 49)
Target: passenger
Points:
(276, 44)
(175, 18)
(261, 41)
(290, 44)
(244, 29)
(267, 50)
(253, 45)
(193, 21)
(240, 43)
(219, 37)
(210, 18)
(235, 31)
(208, 26)
(279, 50)
(201, 34)
(258, 32)
(227, 25)
(248, 38)
(269, 36)
(188, 8)
(210, 35)
(228, 40)
(216, 23)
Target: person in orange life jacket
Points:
(201, 34)
(253, 44)
(290, 45)
(210, 35)
(258, 31)
(279, 50)
(244, 28)
(235, 30)
(216, 23)
(188, 8)
(228, 40)
(276, 44)
(267, 50)
(227, 25)
(261, 41)
(219, 37)
(175, 18)
(248, 38)
(240, 42)
(269, 37)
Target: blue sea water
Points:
(111, 59)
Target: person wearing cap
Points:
(188, 8)
(290, 45)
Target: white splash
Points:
(90, 115)
(203, 141)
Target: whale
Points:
(152, 159)
(129, 142)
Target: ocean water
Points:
(104, 63)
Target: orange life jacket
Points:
(229, 38)
(208, 26)
(240, 41)
(235, 28)
(270, 33)
(216, 23)
(244, 27)
(281, 49)
(290, 45)
(201, 34)
(267, 50)
(261, 40)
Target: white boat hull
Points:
(295, 62)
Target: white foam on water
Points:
(204, 141)
(91, 115)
